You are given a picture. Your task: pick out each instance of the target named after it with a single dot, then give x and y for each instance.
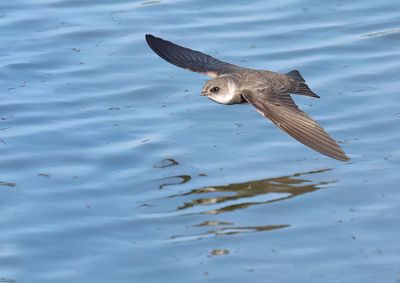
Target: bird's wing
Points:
(284, 113)
(188, 58)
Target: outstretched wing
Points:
(188, 58)
(284, 113)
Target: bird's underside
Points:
(269, 92)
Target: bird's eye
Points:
(215, 89)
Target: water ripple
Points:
(113, 168)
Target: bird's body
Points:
(267, 91)
(244, 79)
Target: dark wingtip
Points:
(152, 40)
(149, 38)
(158, 45)
(167, 50)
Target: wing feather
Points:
(189, 59)
(284, 113)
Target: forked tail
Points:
(302, 87)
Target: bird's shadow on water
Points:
(214, 200)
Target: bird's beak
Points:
(203, 93)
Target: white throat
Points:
(227, 96)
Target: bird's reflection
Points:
(211, 201)
(241, 195)
(175, 180)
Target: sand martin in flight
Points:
(269, 92)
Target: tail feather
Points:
(303, 89)
(295, 74)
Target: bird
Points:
(269, 92)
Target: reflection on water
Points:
(175, 180)
(228, 231)
(93, 124)
(152, 2)
(218, 252)
(382, 33)
(166, 163)
(242, 195)
(7, 184)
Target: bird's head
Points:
(221, 89)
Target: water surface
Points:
(114, 169)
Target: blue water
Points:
(114, 169)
